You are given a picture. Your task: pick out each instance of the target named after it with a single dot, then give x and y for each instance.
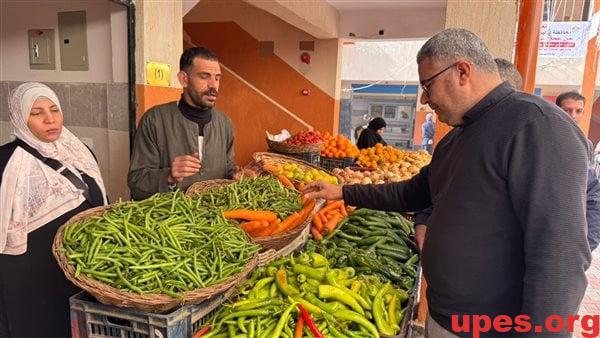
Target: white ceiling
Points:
(356, 5)
(396, 19)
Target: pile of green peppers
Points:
(373, 242)
(342, 303)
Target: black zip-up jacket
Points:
(507, 234)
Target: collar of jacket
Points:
(489, 101)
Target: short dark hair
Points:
(188, 56)
(453, 44)
(508, 72)
(569, 95)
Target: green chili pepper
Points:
(283, 319)
(329, 291)
(379, 311)
(358, 319)
(282, 284)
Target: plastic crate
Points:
(312, 158)
(91, 319)
(331, 163)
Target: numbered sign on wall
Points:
(158, 74)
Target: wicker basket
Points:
(282, 147)
(275, 242)
(330, 163)
(278, 159)
(149, 302)
(206, 185)
(266, 257)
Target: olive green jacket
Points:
(163, 134)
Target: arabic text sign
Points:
(564, 39)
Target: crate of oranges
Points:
(381, 156)
(337, 152)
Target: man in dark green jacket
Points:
(179, 143)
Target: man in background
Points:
(573, 103)
(428, 130)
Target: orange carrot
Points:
(299, 327)
(286, 181)
(275, 222)
(331, 224)
(306, 211)
(267, 231)
(270, 168)
(316, 234)
(251, 226)
(316, 221)
(251, 215)
(335, 205)
(323, 218)
(344, 212)
(301, 186)
(287, 223)
(308, 206)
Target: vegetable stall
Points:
(248, 258)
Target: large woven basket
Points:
(150, 302)
(276, 242)
(202, 186)
(278, 159)
(282, 147)
(264, 258)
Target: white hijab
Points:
(32, 194)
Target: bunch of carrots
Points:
(326, 220)
(261, 223)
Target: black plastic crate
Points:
(91, 319)
(331, 163)
(312, 158)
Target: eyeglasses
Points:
(425, 84)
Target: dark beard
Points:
(197, 100)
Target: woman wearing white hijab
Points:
(47, 176)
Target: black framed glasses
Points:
(425, 84)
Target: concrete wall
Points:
(158, 36)
(18, 17)
(266, 27)
(493, 21)
(94, 102)
(316, 17)
(268, 88)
